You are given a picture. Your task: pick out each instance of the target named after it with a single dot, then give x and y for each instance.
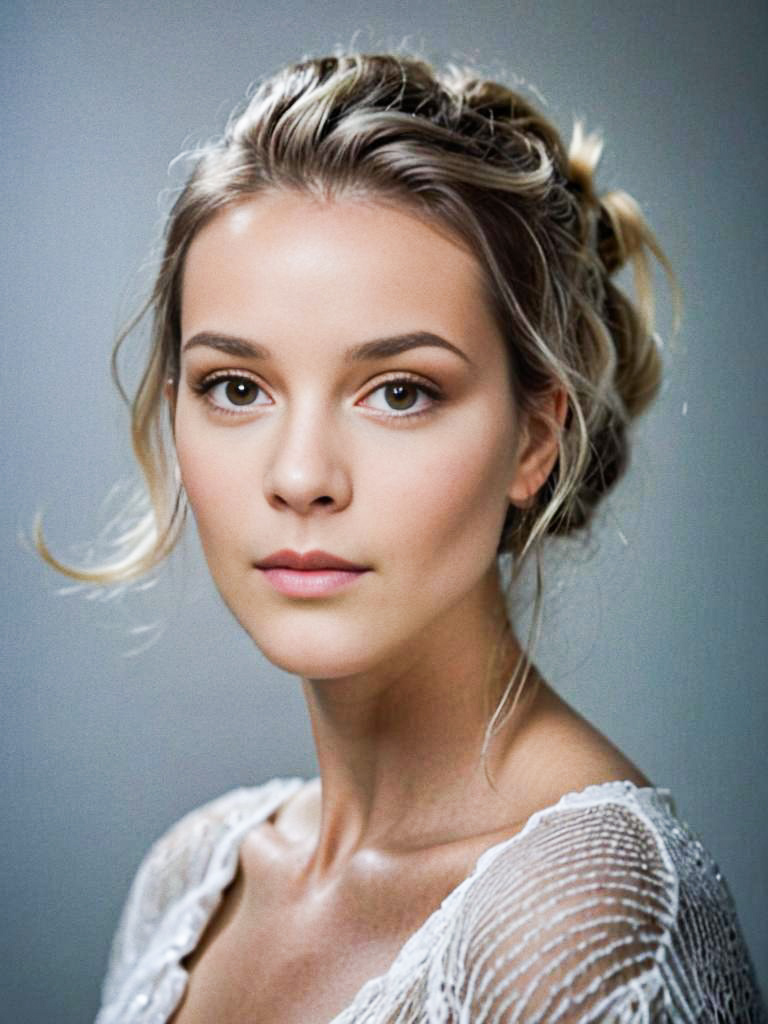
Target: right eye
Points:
(232, 393)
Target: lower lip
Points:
(311, 582)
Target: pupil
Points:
(239, 392)
(400, 393)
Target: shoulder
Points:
(579, 918)
(197, 852)
(181, 857)
(199, 829)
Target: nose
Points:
(305, 470)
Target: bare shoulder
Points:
(558, 751)
(591, 753)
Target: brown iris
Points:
(401, 392)
(240, 391)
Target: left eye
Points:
(402, 396)
(233, 392)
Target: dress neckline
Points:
(285, 788)
(601, 792)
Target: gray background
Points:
(659, 637)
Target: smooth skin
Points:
(285, 441)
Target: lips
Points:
(311, 575)
(310, 560)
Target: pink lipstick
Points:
(312, 574)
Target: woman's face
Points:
(343, 387)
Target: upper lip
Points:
(286, 559)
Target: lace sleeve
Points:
(175, 862)
(580, 922)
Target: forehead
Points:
(285, 263)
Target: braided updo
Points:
(479, 159)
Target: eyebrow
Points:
(379, 348)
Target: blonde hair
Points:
(478, 158)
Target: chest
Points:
(298, 962)
(293, 978)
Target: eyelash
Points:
(206, 385)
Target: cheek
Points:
(212, 485)
(446, 503)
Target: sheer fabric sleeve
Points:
(581, 921)
(176, 863)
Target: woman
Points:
(389, 345)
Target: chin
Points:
(315, 650)
(318, 664)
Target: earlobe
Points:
(538, 449)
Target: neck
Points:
(399, 748)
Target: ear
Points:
(538, 448)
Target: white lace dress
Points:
(605, 907)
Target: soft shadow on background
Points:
(659, 637)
